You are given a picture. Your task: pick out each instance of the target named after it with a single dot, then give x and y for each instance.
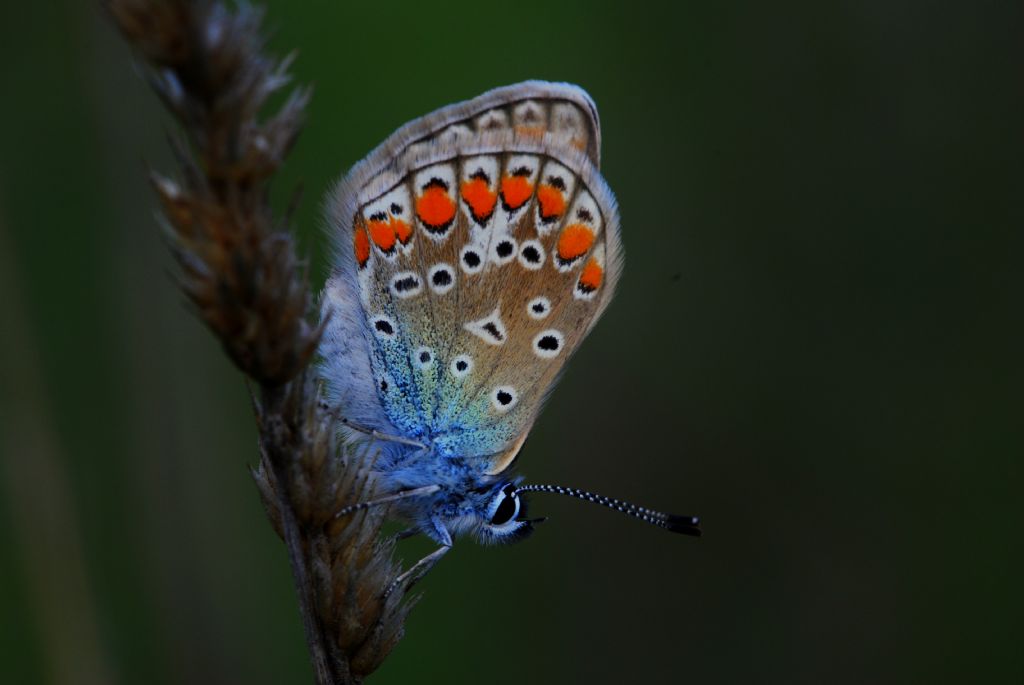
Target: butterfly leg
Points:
(417, 571)
(415, 492)
(372, 432)
(439, 532)
(377, 435)
(407, 533)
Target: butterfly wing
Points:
(476, 248)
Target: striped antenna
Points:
(687, 525)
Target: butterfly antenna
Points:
(687, 525)
(415, 492)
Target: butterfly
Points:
(475, 249)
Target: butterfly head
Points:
(499, 512)
(504, 519)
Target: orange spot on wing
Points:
(434, 207)
(515, 191)
(361, 241)
(383, 235)
(574, 242)
(402, 229)
(590, 279)
(552, 201)
(479, 197)
(530, 131)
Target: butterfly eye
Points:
(508, 506)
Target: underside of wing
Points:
(476, 247)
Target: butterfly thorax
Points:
(413, 468)
(460, 502)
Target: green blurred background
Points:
(816, 346)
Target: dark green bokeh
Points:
(815, 346)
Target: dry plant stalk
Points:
(239, 269)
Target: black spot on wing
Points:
(491, 328)
(548, 342)
(441, 278)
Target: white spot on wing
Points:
(584, 212)
(527, 167)
(441, 278)
(538, 308)
(472, 259)
(567, 122)
(394, 205)
(445, 174)
(423, 358)
(461, 366)
(406, 284)
(490, 329)
(548, 344)
(581, 292)
(455, 134)
(492, 119)
(485, 168)
(503, 398)
(560, 178)
(531, 255)
(529, 113)
(384, 327)
(503, 250)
